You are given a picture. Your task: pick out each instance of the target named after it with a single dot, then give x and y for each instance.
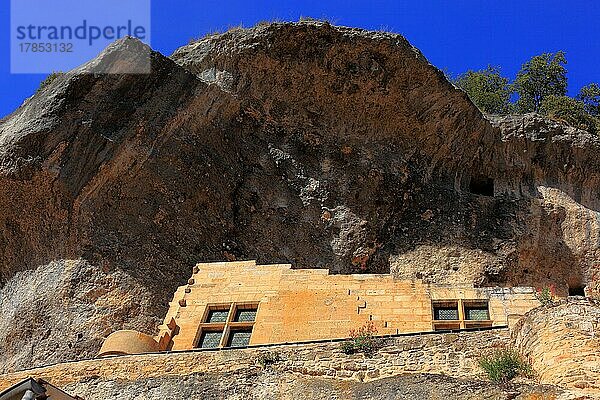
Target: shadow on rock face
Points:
(319, 146)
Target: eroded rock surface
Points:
(277, 385)
(64, 310)
(321, 146)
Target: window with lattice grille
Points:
(239, 338)
(460, 314)
(444, 311)
(227, 325)
(215, 316)
(210, 339)
(242, 315)
(477, 313)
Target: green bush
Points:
(348, 347)
(487, 89)
(570, 111)
(545, 295)
(49, 79)
(361, 340)
(267, 359)
(503, 365)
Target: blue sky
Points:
(456, 35)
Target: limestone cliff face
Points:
(306, 143)
(554, 168)
(64, 310)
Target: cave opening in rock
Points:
(577, 290)
(482, 186)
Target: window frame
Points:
(210, 330)
(462, 322)
(216, 307)
(239, 307)
(476, 305)
(232, 332)
(446, 305)
(229, 325)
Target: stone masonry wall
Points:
(562, 340)
(452, 354)
(310, 304)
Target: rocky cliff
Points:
(306, 143)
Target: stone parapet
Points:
(452, 354)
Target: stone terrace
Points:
(453, 354)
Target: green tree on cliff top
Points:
(542, 76)
(589, 95)
(487, 89)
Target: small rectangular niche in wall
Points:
(481, 186)
(576, 290)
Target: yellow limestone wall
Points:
(298, 305)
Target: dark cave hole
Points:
(482, 186)
(576, 290)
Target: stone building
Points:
(236, 304)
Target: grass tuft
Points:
(504, 364)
